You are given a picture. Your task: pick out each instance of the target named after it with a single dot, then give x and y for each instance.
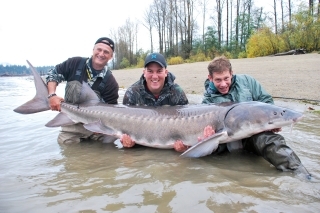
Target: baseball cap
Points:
(155, 57)
(107, 41)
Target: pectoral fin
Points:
(98, 127)
(205, 147)
(60, 120)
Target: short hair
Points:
(219, 64)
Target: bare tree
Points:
(259, 18)
(115, 62)
(148, 23)
(176, 50)
(231, 20)
(181, 25)
(282, 16)
(122, 45)
(189, 15)
(158, 16)
(311, 7)
(164, 25)
(289, 2)
(204, 11)
(170, 20)
(237, 23)
(124, 39)
(244, 22)
(219, 8)
(129, 31)
(136, 36)
(186, 26)
(275, 16)
(249, 4)
(227, 28)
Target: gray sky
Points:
(47, 32)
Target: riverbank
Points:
(289, 77)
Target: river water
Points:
(39, 175)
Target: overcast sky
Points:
(47, 32)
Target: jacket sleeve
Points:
(206, 100)
(56, 73)
(131, 97)
(207, 93)
(182, 98)
(64, 71)
(258, 92)
(126, 97)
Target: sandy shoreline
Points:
(293, 76)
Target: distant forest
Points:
(17, 70)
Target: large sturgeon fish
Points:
(160, 127)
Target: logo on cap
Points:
(155, 57)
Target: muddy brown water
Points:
(39, 175)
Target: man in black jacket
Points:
(74, 71)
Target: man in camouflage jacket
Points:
(156, 87)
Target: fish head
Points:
(248, 118)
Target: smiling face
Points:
(220, 74)
(155, 76)
(221, 80)
(102, 53)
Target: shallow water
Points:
(39, 175)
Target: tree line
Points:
(301, 31)
(226, 28)
(17, 70)
(198, 30)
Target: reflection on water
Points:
(38, 174)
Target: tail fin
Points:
(40, 101)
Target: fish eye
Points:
(275, 113)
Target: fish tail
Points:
(40, 101)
